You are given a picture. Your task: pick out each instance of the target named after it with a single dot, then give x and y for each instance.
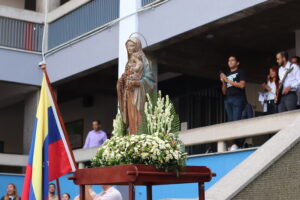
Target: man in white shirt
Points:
(52, 195)
(289, 97)
(108, 193)
(296, 60)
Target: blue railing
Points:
(28, 35)
(82, 20)
(20, 34)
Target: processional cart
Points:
(137, 175)
(145, 148)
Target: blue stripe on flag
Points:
(31, 194)
(45, 186)
(53, 133)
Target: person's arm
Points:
(296, 82)
(87, 141)
(224, 85)
(266, 87)
(224, 88)
(241, 84)
(110, 195)
(89, 193)
(77, 198)
(105, 136)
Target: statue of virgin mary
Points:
(134, 84)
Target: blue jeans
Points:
(234, 106)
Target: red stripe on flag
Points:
(59, 163)
(27, 183)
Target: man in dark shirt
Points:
(233, 86)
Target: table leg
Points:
(201, 191)
(149, 192)
(82, 192)
(131, 191)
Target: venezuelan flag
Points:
(50, 156)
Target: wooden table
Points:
(141, 175)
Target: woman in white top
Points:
(271, 88)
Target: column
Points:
(52, 4)
(127, 26)
(31, 103)
(221, 146)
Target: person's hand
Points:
(223, 77)
(286, 90)
(264, 86)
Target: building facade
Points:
(188, 43)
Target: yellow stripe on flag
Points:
(41, 134)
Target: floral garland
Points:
(157, 144)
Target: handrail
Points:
(239, 129)
(215, 133)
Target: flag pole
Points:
(43, 67)
(58, 188)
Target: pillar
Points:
(127, 26)
(81, 165)
(31, 103)
(221, 146)
(52, 4)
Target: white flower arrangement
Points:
(159, 118)
(140, 149)
(156, 144)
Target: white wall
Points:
(13, 3)
(104, 109)
(11, 128)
